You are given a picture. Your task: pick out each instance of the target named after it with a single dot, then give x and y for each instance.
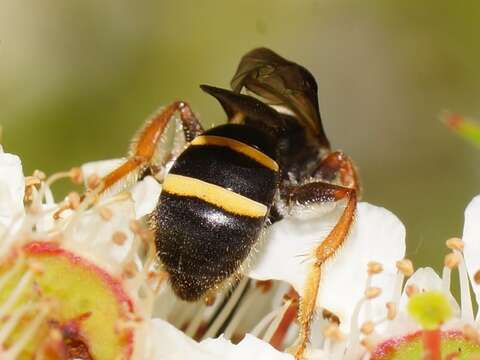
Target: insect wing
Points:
(283, 83)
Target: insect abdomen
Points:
(212, 208)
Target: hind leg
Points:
(309, 194)
(338, 167)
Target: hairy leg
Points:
(314, 193)
(144, 149)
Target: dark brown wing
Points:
(278, 81)
(253, 111)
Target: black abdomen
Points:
(213, 207)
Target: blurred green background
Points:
(78, 78)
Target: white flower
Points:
(95, 247)
(464, 255)
(106, 234)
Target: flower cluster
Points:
(79, 279)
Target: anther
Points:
(374, 267)
(368, 344)
(333, 332)
(73, 200)
(137, 318)
(39, 174)
(411, 289)
(28, 193)
(105, 213)
(210, 298)
(31, 181)
(476, 277)
(129, 270)
(455, 244)
(372, 292)
(471, 333)
(391, 310)
(135, 226)
(146, 235)
(264, 286)
(330, 317)
(76, 175)
(452, 260)
(405, 266)
(119, 238)
(55, 335)
(367, 327)
(93, 181)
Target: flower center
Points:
(453, 344)
(57, 303)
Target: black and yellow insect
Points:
(214, 203)
(233, 180)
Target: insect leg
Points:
(144, 149)
(337, 165)
(320, 192)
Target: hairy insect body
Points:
(213, 206)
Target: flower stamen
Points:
(372, 292)
(367, 327)
(455, 244)
(411, 290)
(405, 266)
(452, 260)
(465, 297)
(391, 310)
(30, 331)
(244, 307)
(227, 309)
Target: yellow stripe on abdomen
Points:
(213, 194)
(237, 146)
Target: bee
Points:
(233, 180)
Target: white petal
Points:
(145, 194)
(168, 343)
(12, 188)
(284, 253)
(91, 235)
(249, 348)
(471, 237)
(425, 279)
(377, 235)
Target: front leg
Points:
(317, 193)
(143, 149)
